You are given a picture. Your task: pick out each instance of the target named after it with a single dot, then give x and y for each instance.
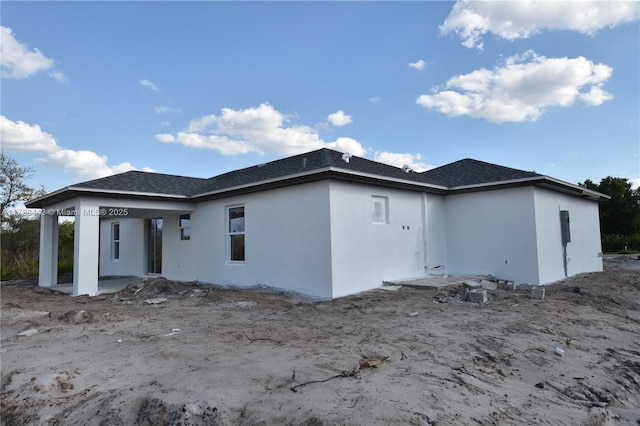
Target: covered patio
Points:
(88, 214)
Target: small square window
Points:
(184, 223)
(380, 213)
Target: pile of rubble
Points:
(476, 291)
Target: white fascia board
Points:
(119, 192)
(584, 191)
(79, 189)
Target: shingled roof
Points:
(473, 172)
(146, 182)
(306, 163)
(319, 164)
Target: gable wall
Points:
(493, 232)
(584, 250)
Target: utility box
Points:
(565, 227)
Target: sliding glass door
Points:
(154, 246)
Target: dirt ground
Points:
(216, 356)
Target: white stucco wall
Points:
(287, 242)
(319, 238)
(584, 250)
(365, 253)
(132, 254)
(435, 218)
(179, 256)
(493, 232)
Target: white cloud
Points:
(164, 109)
(19, 61)
(374, 100)
(522, 89)
(419, 64)
(349, 145)
(635, 183)
(339, 118)
(20, 136)
(165, 138)
(150, 85)
(260, 129)
(510, 20)
(414, 161)
(58, 75)
(85, 165)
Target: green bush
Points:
(21, 246)
(615, 243)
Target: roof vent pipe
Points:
(406, 168)
(346, 157)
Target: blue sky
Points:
(201, 88)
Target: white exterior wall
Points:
(178, 256)
(493, 232)
(287, 240)
(319, 238)
(584, 252)
(365, 253)
(132, 248)
(435, 218)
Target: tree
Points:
(621, 214)
(13, 188)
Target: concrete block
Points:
(489, 285)
(526, 287)
(478, 296)
(472, 284)
(506, 284)
(537, 293)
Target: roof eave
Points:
(541, 180)
(75, 191)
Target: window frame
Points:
(233, 234)
(184, 236)
(115, 241)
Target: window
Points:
(380, 212)
(236, 234)
(115, 241)
(184, 223)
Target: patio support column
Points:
(85, 248)
(48, 267)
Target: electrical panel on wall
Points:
(565, 227)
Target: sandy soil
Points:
(214, 356)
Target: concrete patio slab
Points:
(105, 285)
(435, 281)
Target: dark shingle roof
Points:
(304, 163)
(145, 182)
(467, 172)
(460, 173)
(473, 172)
